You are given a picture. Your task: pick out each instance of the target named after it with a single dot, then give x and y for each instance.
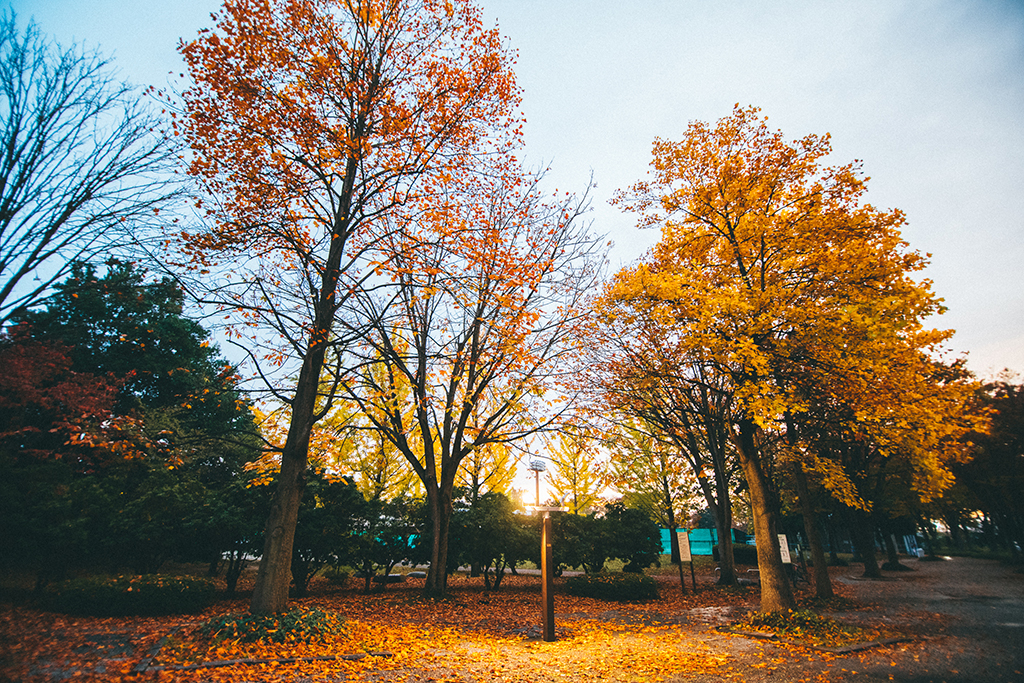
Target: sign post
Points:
(683, 540)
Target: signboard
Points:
(784, 549)
(684, 546)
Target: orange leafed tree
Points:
(309, 122)
(773, 272)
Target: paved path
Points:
(979, 636)
(967, 616)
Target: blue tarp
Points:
(701, 540)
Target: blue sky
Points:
(928, 94)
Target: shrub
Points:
(149, 594)
(337, 576)
(300, 624)
(807, 627)
(619, 587)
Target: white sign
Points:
(684, 546)
(784, 549)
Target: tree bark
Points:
(270, 593)
(833, 544)
(776, 592)
(822, 581)
(670, 517)
(892, 555)
(440, 514)
(862, 531)
(723, 522)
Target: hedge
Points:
(146, 595)
(623, 587)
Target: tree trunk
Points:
(670, 517)
(235, 565)
(833, 544)
(270, 593)
(723, 524)
(440, 506)
(776, 592)
(892, 555)
(822, 581)
(862, 531)
(673, 543)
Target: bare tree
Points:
(80, 165)
(475, 340)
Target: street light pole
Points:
(548, 570)
(547, 565)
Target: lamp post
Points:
(547, 565)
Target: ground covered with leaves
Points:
(340, 634)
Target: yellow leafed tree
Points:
(773, 270)
(578, 476)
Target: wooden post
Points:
(548, 570)
(683, 542)
(677, 544)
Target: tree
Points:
(577, 477)
(81, 171)
(613, 531)
(170, 376)
(141, 423)
(772, 267)
(646, 374)
(309, 124)
(385, 535)
(55, 425)
(326, 531)
(472, 344)
(633, 537)
(490, 469)
(48, 410)
(490, 535)
(995, 473)
(651, 477)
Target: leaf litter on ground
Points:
(397, 635)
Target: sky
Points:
(928, 94)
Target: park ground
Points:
(957, 621)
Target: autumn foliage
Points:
(777, 288)
(311, 124)
(48, 410)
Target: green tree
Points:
(325, 533)
(386, 534)
(633, 537)
(487, 533)
(123, 325)
(172, 404)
